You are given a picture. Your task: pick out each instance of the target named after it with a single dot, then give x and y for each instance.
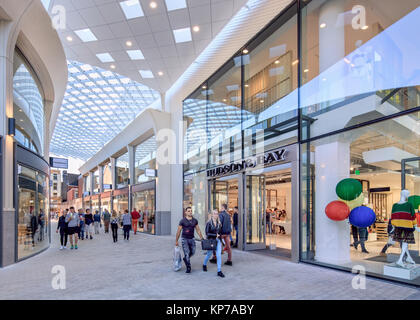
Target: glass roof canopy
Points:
(97, 105)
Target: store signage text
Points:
(267, 158)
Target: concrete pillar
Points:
(131, 174)
(332, 238)
(101, 178)
(113, 173)
(92, 183)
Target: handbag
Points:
(209, 244)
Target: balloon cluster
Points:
(349, 205)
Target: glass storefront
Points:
(33, 214)
(122, 171)
(120, 203)
(144, 158)
(144, 202)
(351, 100)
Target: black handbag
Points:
(209, 244)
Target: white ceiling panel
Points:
(111, 12)
(179, 19)
(159, 22)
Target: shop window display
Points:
(368, 162)
(33, 216)
(144, 202)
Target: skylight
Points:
(86, 35)
(95, 120)
(46, 4)
(175, 4)
(146, 74)
(132, 9)
(182, 35)
(135, 54)
(105, 57)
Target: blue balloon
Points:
(362, 217)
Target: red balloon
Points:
(337, 210)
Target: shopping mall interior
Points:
(270, 107)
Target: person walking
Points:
(187, 225)
(97, 221)
(88, 223)
(126, 221)
(235, 225)
(135, 216)
(114, 225)
(225, 232)
(107, 219)
(213, 231)
(62, 227)
(73, 223)
(81, 228)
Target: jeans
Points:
(188, 246)
(81, 232)
(226, 240)
(237, 235)
(218, 255)
(114, 228)
(126, 229)
(63, 237)
(96, 225)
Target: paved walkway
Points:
(141, 269)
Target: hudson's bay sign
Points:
(261, 160)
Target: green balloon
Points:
(348, 189)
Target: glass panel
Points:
(255, 205)
(121, 166)
(96, 187)
(145, 158)
(355, 59)
(33, 216)
(107, 178)
(120, 204)
(144, 202)
(372, 155)
(270, 86)
(195, 196)
(28, 105)
(224, 115)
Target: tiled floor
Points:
(142, 269)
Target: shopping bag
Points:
(177, 259)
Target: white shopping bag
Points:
(177, 259)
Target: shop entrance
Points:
(264, 201)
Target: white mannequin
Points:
(404, 245)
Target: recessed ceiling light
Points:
(112, 66)
(146, 74)
(105, 57)
(175, 4)
(160, 73)
(182, 35)
(322, 25)
(295, 62)
(135, 54)
(247, 85)
(128, 43)
(196, 28)
(262, 101)
(277, 62)
(204, 87)
(245, 51)
(132, 9)
(224, 100)
(69, 39)
(365, 27)
(153, 5)
(306, 70)
(86, 35)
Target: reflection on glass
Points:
(122, 172)
(195, 196)
(145, 158)
(144, 202)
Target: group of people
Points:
(218, 227)
(271, 215)
(74, 226)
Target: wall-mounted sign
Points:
(264, 159)
(150, 173)
(60, 163)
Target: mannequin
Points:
(403, 218)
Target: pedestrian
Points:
(126, 221)
(96, 221)
(213, 231)
(235, 225)
(114, 225)
(135, 216)
(187, 225)
(73, 223)
(62, 226)
(81, 229)
(226, 231)
(107, 218)
(88, 223)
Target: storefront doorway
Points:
(267, 205)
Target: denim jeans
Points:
(81, 230)
(188, 246)
(127, 228)
(218, 255)
(237, 235)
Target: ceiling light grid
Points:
(91, 115)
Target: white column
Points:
(131, 167)
(101, 178)
(113, 173)
(332, 238)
